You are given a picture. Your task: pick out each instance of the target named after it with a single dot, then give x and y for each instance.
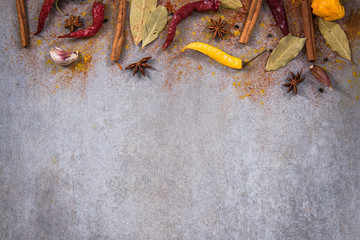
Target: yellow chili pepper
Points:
(330, 10)
(216, 54)
(219, 55)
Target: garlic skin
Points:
(320, 74)
(62, 57)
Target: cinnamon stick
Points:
(254, 11)
(120, 33)
(24, 32)
(308, 30)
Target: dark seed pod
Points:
(320, 75)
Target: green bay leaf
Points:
(139, 13)
(154, 25)
(232, 4)
(287, 49)
(335, 37)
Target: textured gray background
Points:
(124, 158)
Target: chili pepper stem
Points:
(60, 11)
(247, 62)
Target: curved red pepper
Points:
(45, 10)
(278, 11)
(184, 12)
(98, 10)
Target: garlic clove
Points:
(321, 75)
(62, 57)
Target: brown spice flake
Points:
(169, 6)
(119, 66)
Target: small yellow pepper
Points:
(216, 54)
(330, 10)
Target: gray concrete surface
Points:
(181, 154)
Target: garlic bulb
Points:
(62, 57)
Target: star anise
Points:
(140, 66)
(218, 27)
(72, 23)
(294, 81)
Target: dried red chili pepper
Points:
(98, 10)
(45, 10)
(278, 11)
(184, 12)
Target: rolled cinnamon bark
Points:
(24, 32)
(120, 33)
(254, 11)
(308, 30)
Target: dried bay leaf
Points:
(287, 49)
(335, 37)
(154, 25)
(139, 13)
(232, 4)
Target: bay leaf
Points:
(154, 25)
(232, 4)
(287, 49)
(139, 13)
(335, 37)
